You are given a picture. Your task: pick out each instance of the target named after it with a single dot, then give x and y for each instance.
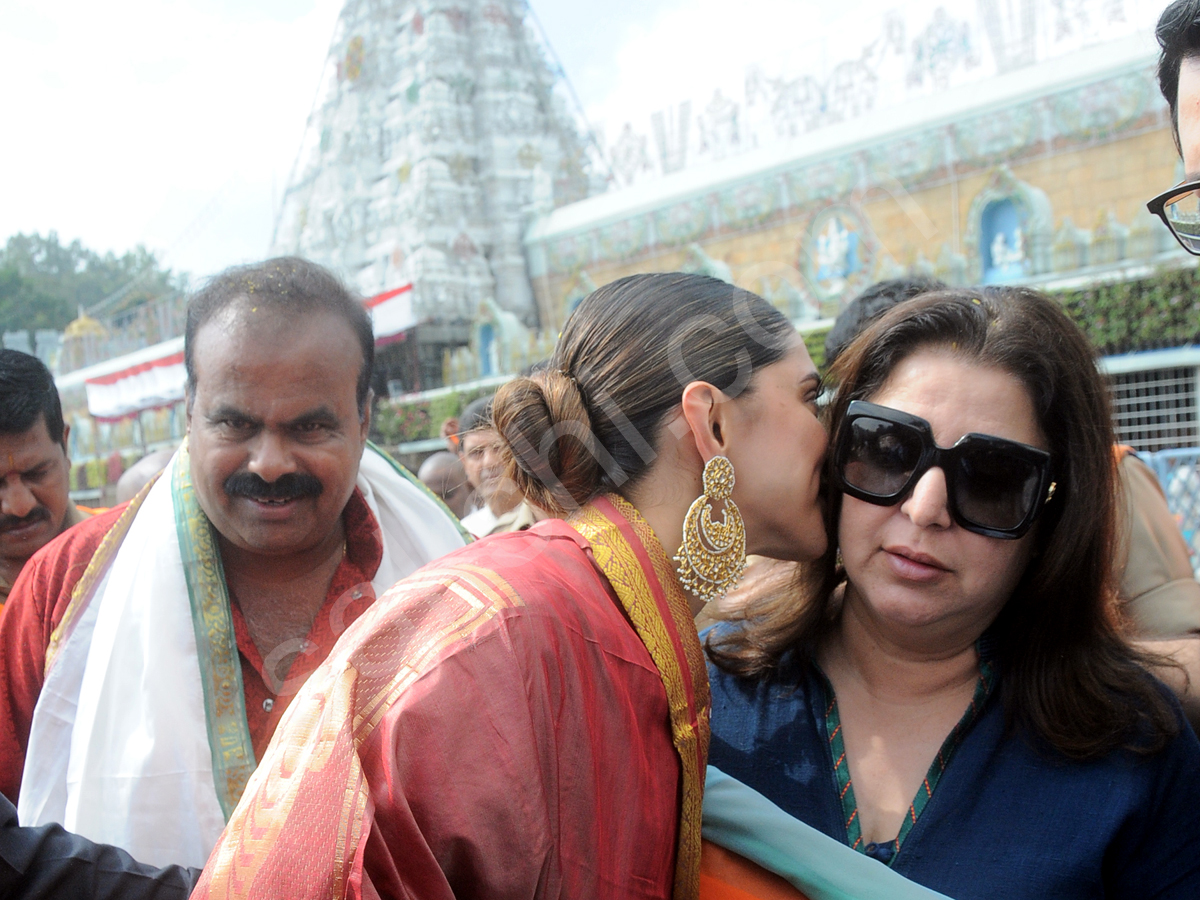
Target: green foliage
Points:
(44, 283)
(444, 407)
(397, 422)
(815, 342)
(1160, 311)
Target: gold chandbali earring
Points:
(711, 558)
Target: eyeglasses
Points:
(994, 487)
(1179, 208)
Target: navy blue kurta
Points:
(1005, 820)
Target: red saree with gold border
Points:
(525, 718)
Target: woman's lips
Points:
(914, 565)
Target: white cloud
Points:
(175, 123)
(689, 49)
(164, 123)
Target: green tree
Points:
(44, 283)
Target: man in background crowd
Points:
(34, 468)
(443, 473)
(151, 651)
(1173, 607)
(873, 302)
(503, 508)
(140, 474)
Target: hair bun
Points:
(547, 431)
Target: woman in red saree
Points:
(528, 717)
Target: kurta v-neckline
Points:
(886, 851)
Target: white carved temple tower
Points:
(435, 137)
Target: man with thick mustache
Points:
(150, 653)
(34, 468)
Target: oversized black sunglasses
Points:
(1179, 208)
(995, 487)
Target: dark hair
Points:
(478, 414)
(27, 391)
(1069, 676)
(1178, 33)
(289, 286)
(590, 420)
(870, 305)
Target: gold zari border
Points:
(620, 564)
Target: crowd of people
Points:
(664, 620)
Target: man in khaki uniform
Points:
(1158, 589)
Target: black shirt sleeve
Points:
(48, 862)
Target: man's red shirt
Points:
(41, 594)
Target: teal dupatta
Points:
(740, 819)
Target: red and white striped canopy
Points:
(145, 385)
(391, 314)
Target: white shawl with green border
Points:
(139, 737)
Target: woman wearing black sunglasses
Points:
(950, 693)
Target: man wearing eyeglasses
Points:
(1178, 34)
